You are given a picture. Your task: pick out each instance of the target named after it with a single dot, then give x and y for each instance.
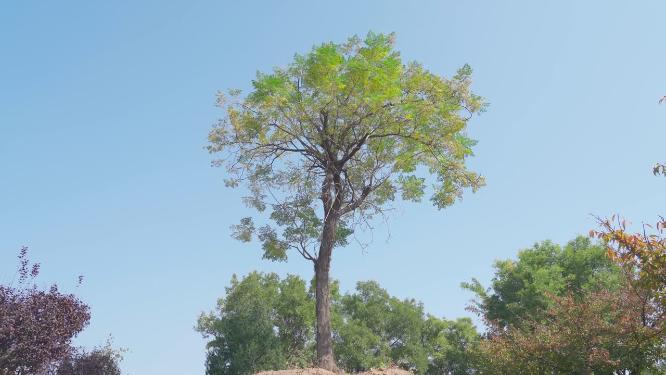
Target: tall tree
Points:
(330, 140)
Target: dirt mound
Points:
(299, 371)
(321, 371)
(387, 371)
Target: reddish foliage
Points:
(36, 326)
(602, 332)
(643, 253)
(101, 361)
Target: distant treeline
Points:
(553, 310)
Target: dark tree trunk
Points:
(325, 357)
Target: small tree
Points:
(36, 326)
(99, 361)
(328, 141)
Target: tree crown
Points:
(349, 125)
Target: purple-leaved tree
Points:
(36, 326)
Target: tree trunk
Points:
(325, 357)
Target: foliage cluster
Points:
(265, 322)
(37, 327)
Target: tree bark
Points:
(324, 338)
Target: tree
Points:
(263, 323)
(99, 361)
(525, 287)
(602, 332)
(451, 346)
(567, 310)
(36, 326)
(394, 325)
(642, 252)
(327, 142)
(377, 329)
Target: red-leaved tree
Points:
(605, 332)
(36, 326)
(99, 361)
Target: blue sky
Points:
(105, 108)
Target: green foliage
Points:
(399, 332)
(396, 326)
(525, 287)
(266, 323)
(262, 323)
(345, 128)
(451, 345)
(358, 348)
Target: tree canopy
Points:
(99, 361)
(36, 326)
(602, 332)
(643, 252)
(525, 287)
(353, 109)
(262, 323)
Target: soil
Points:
(387, 371)
(298, 371)
(320, 371)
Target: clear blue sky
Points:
(105, 108)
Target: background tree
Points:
(643, 252)
(603, 332)
(451, 346)
(99, 361)
(525, 287)
(395, 327)
(379, 330)
(36, 326)
(253, 331)
(566, 310)
(325, 143)
(263, 323)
